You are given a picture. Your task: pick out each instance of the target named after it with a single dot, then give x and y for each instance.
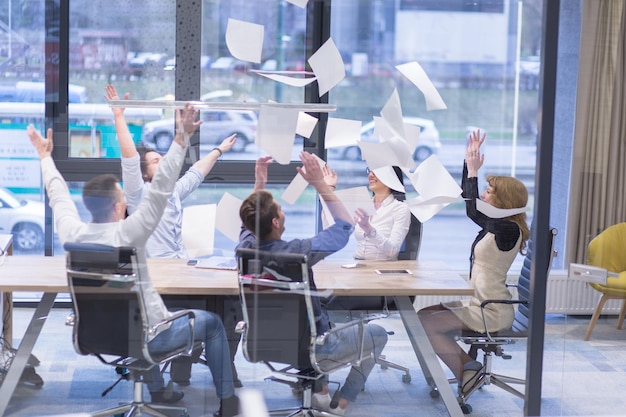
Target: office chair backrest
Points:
(523, 283)
(107, 305)
(410, 249)
(274, 292)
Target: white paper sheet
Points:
(388, 176)
(424, 210)
(497, 213)
(356, 198)
(198, 229)
(394, 151)
(276, 131)
(328, 66)
(297, 186)
(392, 113)
(342, 132)
(284, 77)
(432, 179)
(299, 3)
(227, 218)
(245, 40)
(416, 74)
(306, 124)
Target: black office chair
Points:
(110, 320)
(491, 343)
(279, 324)
(380, 307)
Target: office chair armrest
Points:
(358, 323)
(154, 330)
(487, 302)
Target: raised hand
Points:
(110, 93)
(330, 176)
(260, 172)
(228, 143)
(473, 157)
(43, 146)
(186, 123)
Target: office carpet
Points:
(579, 379)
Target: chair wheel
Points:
(184, 414)
(383, 366)
(466, 408)
(434, 393)
(406, 378)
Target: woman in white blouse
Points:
(380, 235)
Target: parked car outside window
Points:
(216, 126)
(427, 145)
(22, 218)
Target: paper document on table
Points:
(276, 132)
(244, 40)
(342, 132)
(227, 218)
(328, 66)
(495, 212)
(416, 74)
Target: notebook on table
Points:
(218, 262)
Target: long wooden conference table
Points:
(173, 276)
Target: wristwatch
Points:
(371, 234)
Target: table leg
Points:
(18, 364)
(426, 356)
(7, 317)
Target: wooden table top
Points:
(174, 276)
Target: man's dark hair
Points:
(100, 195)
(257, 212)
(143, 164)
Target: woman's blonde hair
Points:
(509, 193)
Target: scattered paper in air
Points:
(416, 74)
(299, 3)
(495, 212)
(299, 78)
(276, 131)
(342, 132)
(245, 40)
(328, 66)
(297, 186)
(306, 124)
(227, 218)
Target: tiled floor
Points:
(580, 378)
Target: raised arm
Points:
(260, 172)
(205, 164)
(312, 173)
(124, 137)
(473, 158)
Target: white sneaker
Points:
(321, 401)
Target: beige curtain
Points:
(598, 192)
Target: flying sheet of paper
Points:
(388, 176)
(198, 229)
(392, 113)
(276, 132)
(328, 66)
(227, 218)
(411, 135)
(394, 151)
(297, 186)
(497, 213)
(425, 209)
(299, 3)
(432, 179)
(352, 199)
(416, 74)
(342, 132)
(245, 40)
(284, 78)
(306, 124)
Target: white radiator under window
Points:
(564, 296)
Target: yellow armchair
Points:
(608, 251)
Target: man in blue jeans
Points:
(105, 200)
(262, 216)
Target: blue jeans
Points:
(340, 347)
(208, 329)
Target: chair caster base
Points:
(466, 408)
